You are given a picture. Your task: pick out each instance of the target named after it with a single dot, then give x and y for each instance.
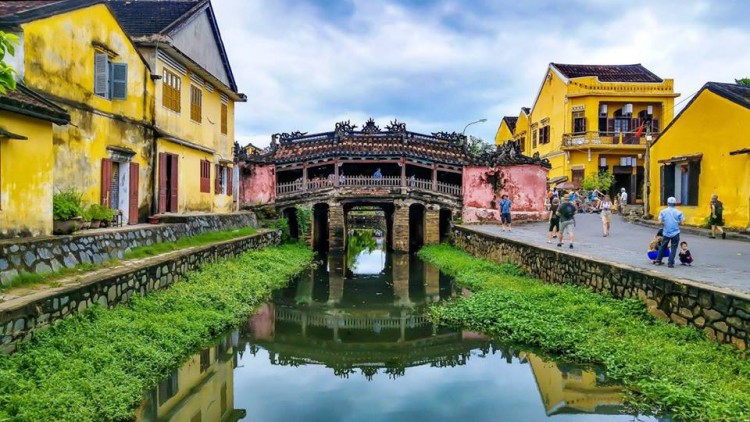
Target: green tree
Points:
(599, 181)
(743, 81)
(477, 145)
(7, 46)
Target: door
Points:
(106, 182)
(163, 172)
(172, 182)
(133, 194)
(168, 185)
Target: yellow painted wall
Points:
(59, 60)
(521, 134)
(713, 126)
(26, 177)
(503, 133)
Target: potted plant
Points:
(66, 211)
(86, 216)
(96, 215)
(106, 215)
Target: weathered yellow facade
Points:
(504, 132)
(582, 124)
(59, 59)
(697, 150)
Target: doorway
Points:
(168, 182)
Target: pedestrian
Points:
(573, 195)
(504, 206)
(655, 244)
(623, 200)
(671, 218)
(717, 217)
(566, 212)
(686, 258)
(606, 209)
(554, 220)
(377, 175)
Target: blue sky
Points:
(438, 65)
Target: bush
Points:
(279, 224)
(101, 212)
(67, 204)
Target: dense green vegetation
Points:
(667, 369)
(187, 242)
(96, 365)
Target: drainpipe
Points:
(154, 151)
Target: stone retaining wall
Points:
(722, 313)
(21, 317)
(43, 255)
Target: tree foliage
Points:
(477, 145)
(7, 74)
(599, 181)
(743, 81)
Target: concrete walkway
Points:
(724, 263)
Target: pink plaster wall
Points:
(525, 185)
(259, 187)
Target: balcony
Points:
(299, 186)
(606, 139)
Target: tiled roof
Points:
(740, 94)
(526, 110)
(8, 8)
(24, 101)
(511, 122)
(609, 73)
(148, 17)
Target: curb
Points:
(732, 235)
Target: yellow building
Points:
(506, 129)
(79, 56)
(706, 151)
(26, 162)
(586, 119)
(195, 93)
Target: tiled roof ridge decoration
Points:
(372, 141)
(609, 72)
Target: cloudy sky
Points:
(438, 65)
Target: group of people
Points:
(590, 202)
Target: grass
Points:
(667, 370)
(95, 365)
(25, 279)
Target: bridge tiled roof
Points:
(372, 142)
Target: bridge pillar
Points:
(336, 263)
(432, 225)
(336, 226)
(401, 227)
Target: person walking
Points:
(566, 212)
(554, 220)
(504, 206)
(606, 210)
(623, 200)
(716, 220)
(671, 218)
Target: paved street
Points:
(724, 263)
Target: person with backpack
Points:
(566, 212)
(504, 206)
(716, 220)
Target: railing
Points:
(603, 138)
(297, 186)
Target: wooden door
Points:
(133, 193)
(106, 182)
(162, 182)
(173, 182)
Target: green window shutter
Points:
(101, 75)
(119, 81)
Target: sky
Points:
(438, 65)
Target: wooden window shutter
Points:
(217, 181)
(162, 182)
(224, 117)
(101, 75)
(196, 103)
(119, 81)
(133, 193)
(230, 176)
(655, 125)
(173, 185)
(611, 126)
(694, 172)
(106, 182)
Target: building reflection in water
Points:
(201, 390)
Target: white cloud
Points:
(439, 66)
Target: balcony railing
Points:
(298, 186)
(603, 138)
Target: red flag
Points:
(639, 132)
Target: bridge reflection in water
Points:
(349, 341)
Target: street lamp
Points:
(469, 124)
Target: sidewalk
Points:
(698, 231)
(723, 263)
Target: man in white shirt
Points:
(623, 200)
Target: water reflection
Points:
(344, 343)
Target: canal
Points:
(348, 341)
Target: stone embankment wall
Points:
(21, 317)
(722, 313)
(43, 255)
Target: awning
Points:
(4, 134)
(557, 180)
(740, 151)
(682, 158)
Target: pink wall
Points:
(526, 186)
(259, 187)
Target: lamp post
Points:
(471, 123)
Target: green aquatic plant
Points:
(667, 369)
(96, 365)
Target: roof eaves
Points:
(53, 112)
(46, 11)
(721, 90)
(185, 18)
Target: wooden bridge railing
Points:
(298, 186)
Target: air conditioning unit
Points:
(627, 109)
(603, 110)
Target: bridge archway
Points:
(384, 210)
(320, 227)
(446, 216)
(290, 214)
(416, 226)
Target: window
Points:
(681, 181)
(205, 176)
(224, 111)
(223, 180)
(168, 388)
(534, 136)
(110, 79)
(544, 135)
(171, 91)
(622, 121)
(196, 102)
(205, 359)
(577, 176)
(579, 122)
